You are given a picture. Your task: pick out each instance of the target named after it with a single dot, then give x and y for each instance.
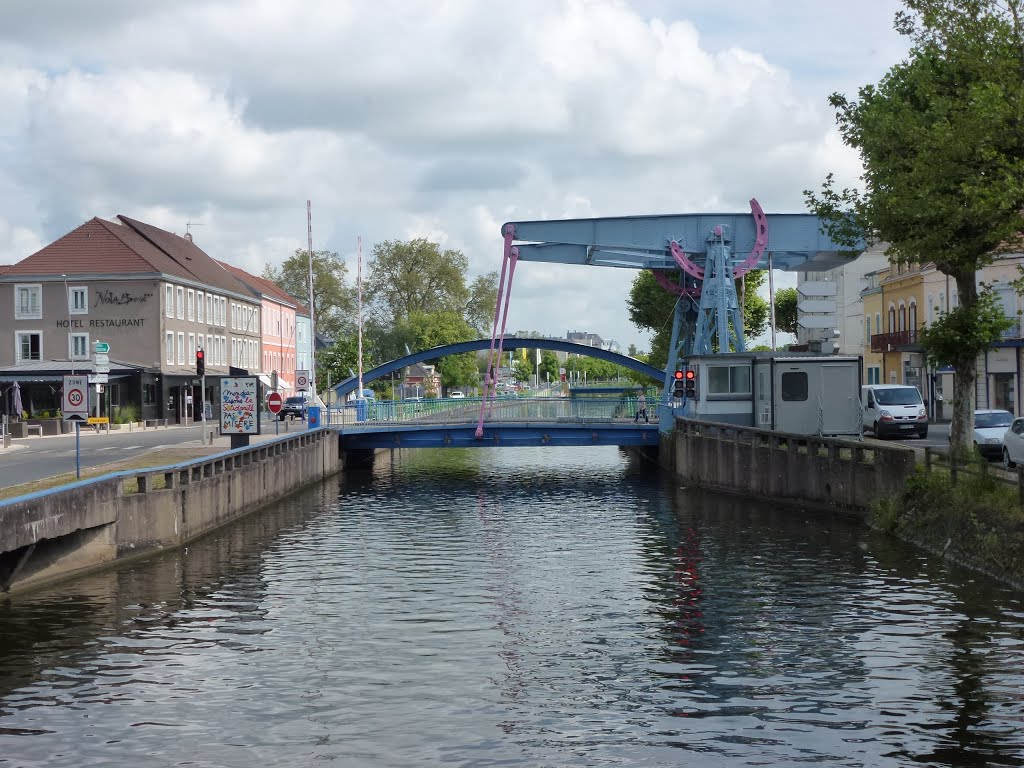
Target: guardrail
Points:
(464, 410)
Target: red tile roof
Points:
(267, 287)
(130, 247)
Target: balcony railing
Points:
(885, 342)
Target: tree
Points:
(548, 366)
(942, 147)
(785, 310)
(522, 370)
(417, 276)
(336, 362)
(333, 301)
(439, 328)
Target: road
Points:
(36, 458)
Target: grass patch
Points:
(172, 455)
(977, 521)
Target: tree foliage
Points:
(941, 140)
(333, 300)
(785, 310)
(417, 276)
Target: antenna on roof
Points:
(188, 225)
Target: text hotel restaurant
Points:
(153, 296)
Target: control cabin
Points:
(797, 392)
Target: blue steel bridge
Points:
(604, 417)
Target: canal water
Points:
(519, 607)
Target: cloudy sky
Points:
(440, 119)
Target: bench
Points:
(154, 423)
(37, 428)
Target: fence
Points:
(938, 460)
(467, 409)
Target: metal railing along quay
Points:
(444, 411)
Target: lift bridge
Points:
(696, 257)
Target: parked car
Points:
(294, 406)
(1013, 444)
(894, 409)
(456, 394)
(989, 427)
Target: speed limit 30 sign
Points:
(75, 400)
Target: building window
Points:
(192, 346)
(29, 345)
(181, 347)
(913, 316)
(892, 319)
(728, 379)
(28, 302)
(169, 301)
(181, 303)
(191, 305)
(79, 346)
(169, 345)
(867, 334)
(115, 394)
(200, 302)
(794, 386)
(209, 309)
(148, 394)
(78, 302)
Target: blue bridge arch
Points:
(349, 385)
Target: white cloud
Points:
(440, 120)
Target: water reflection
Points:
(518, 607)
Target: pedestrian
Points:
(641, 408)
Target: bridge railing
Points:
(466, 410)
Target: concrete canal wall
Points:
(51, 534)
(821, 472)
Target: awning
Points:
(282, 382)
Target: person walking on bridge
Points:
(641, 408)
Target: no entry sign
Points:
(274, 401)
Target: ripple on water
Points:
(518, 607)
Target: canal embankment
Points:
(972, 517)
(63, 531)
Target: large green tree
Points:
(651, 308)
(333, 300)
(417, 276)
(941, 140)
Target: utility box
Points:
(796, 392)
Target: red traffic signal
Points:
(679, 375)
(690, 375)
(200, 363)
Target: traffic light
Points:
(691, 384)
(200, 363)
(678, 385)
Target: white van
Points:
(894, 409)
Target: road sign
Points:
(99, 420)
(302, 380)
(101, 348)
(98, 378)
(817, 321)
(817, 288)
(817, 305)
(274, 402)
(75, 400)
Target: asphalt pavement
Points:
(36, 458)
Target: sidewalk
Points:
(185, 451)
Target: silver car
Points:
(1013, 444)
